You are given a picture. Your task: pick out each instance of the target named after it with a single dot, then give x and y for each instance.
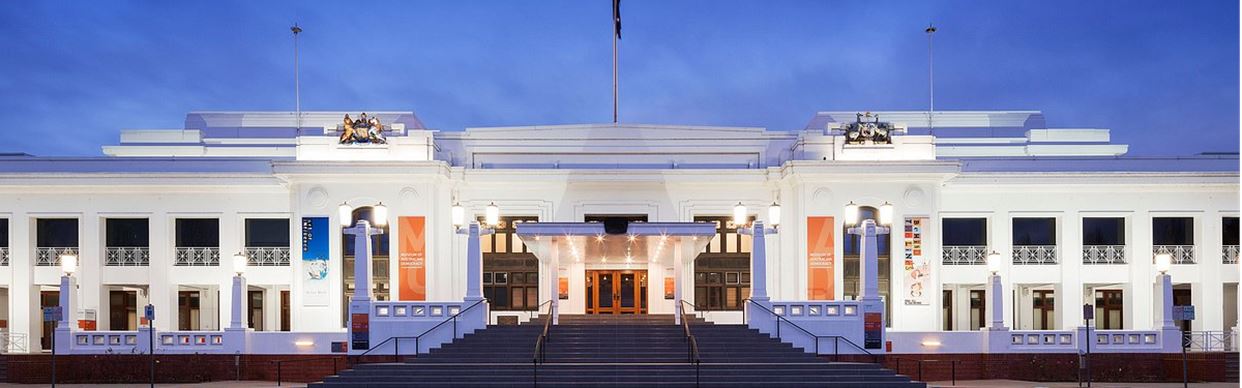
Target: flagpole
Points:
(297, 79)
(614, 79)
(931, 85)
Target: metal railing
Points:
(4, 256)
(50, 256)
(127, 256)
(964, 254)
(1182, 254)
(1228, 255)
(280, 363)
(692, 344)
(919, 362)
(197, 256)
(1208, 341)
(540, 354)
(396, 341)
(1034, 254)
(267, 256)
(1103, 254)
(13, 342)
(836, 339)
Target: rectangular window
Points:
(127, 232)
(1035, 231)
(1229, 226)
(722, 271)
(198, 232)
(964, 231)
(255, 305)
(1104, 231)
(1173, 230)
(56, 232)
(4, 232)
(510, 277)
(267, 232)
(1108, 309)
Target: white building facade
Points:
(158, 219)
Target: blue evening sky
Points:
(1163, 75)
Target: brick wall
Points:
(186, 368)
(1108, 367)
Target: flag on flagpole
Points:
(616, 18)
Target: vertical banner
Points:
(315, 261)
(562, 288)
(412, 254)
(820, 238)
(917, 267)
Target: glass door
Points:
(606, 295)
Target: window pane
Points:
(714, 245)
(1173, 230)
(532, 277)
(1034, 231)
(519, 278)
(532, 297)
(746, 243)
(965, 231)
(485, 244)
(502, 242)
(731, 242)
(1104, 231)
(1230, 228)
(502, 278)
(519, 299)
(267, 232)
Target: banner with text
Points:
(315, 261)
(917, 267)
(412, 257)
(819, 258)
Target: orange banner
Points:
(820, 237)
(412, 258)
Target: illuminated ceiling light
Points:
(599, 238)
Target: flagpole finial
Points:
(296, 30)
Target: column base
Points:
(996, 339)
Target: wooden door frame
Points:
(616, 309)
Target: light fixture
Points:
(380, 215)
(931, 343)
(886, 214)
(239, 263)
(774, 214)
(851, 214)
(492, 216)
(304, 343)
(345, 214)
(739, 215)
(1163, 261)
(69, 264)
(994, 262)
(459, 215)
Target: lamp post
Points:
(474, 255)
(758, 252)
(1163, 261)
(360, 302)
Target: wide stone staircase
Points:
(626, 350)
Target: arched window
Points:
(379, 262)
(851, 249)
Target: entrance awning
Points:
(588, 242)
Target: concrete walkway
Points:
(1034, 384)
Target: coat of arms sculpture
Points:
(868, 129)
(364, 130)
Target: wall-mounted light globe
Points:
(345, 214)
(69, 264)
(459, 215)
(851, 214)
(1163, 261)
(774, 214)
(239, 263)
(739, 215)
(994, 262)
(380, 215)
(492, 216)
(886, 214)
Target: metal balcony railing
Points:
(50, 256)
(4, 256)
(1229, 255)
(1103, 254)
(1034, 254)
(268, 256)
(198, 256)
(1182, 254)
(965, 255)
(127, 256)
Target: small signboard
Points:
(339, 347)
(54, 313)
(873, 330)
(1088, 312)
(1184, 313)
(360, 331)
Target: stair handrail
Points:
(540, 353)
(692, 344)
(396, 340)
(836, 338)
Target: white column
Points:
(554, 271)
(68, 301)
(23, 294)
(474, 265)
(759, 264)
(1165, 303)
(238, 303)
(362, 260)
(870, 261)
(678, 278)
(90, 267)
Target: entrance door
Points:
(616, 291)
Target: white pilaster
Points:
(238, 303)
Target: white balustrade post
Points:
(238, 306)
(360, 303)
(1166, 301)
(474, 265)
(996, 334)
(870, 261)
